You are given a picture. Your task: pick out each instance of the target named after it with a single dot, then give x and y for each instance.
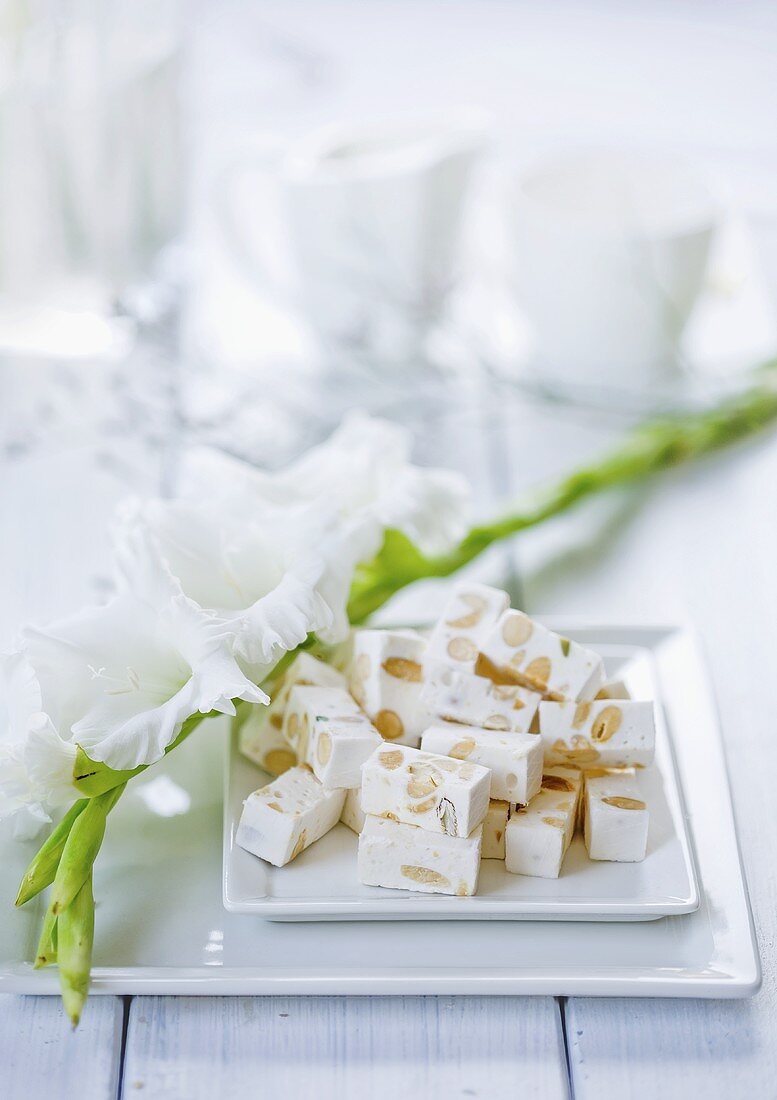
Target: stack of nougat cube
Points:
(490, 738)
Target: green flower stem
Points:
(75, 938)
(81, 848)
(47, 944)
(650, 448)
(43, 867)
(93, 778)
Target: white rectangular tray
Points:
(322, 884)
(162, 928)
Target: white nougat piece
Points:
(514, 759)
(437, 793)
(305, 671)
(521, 651)
(605, 732)
(260, 739)
(469, 614)
(615, 818)
(613, 689)
(539, 834)
(494, 828)
(330, 732)
(404, 857)
(282, 819)
(353, 815)
(261, 736)
(458, 696)
(386, 677)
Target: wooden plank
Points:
(699, 544)
(41, 1056)
(634, 1049)
(377, 1047)
(71, 445)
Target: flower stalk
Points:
(75, 938)
(43, 867)
(47, 944)
(652, 447)
(93, 778)
(81, 848)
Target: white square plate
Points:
(322, 884)
(162, 928)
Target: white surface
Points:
(322, 882)
(651, 1048)
(41, 1056)
(353, 1049)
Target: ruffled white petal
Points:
(336, 500)
(257, 572)
(282, 620)
(49, 762)
(362, 471)
(36, 764)
(122, 679)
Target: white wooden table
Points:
(699, 544)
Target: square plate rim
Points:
(478, 907)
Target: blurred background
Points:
(515, 227)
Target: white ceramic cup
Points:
(610, 251)
(371, 217)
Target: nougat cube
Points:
(615, 817)
(494, 828)
(331, 733)
(604, 732)
(288, 815)
(261, 739)
(403, 857)
(468, 615)
(305, 671)
(386, 677)
(457, 696)
(538, 835)
(613, 689)
(353, 815)
(434, 792)
(514, 759)
(518, 650)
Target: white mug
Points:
(371, 219)
(610, 253)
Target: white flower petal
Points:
(339, 498)
(125, 737)
(49, 762)
(431, 507)
(36, 764)
(21, 696)
(344, 550)
(282, 620)
(123, 678)
(363, 470)
(259, 577)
